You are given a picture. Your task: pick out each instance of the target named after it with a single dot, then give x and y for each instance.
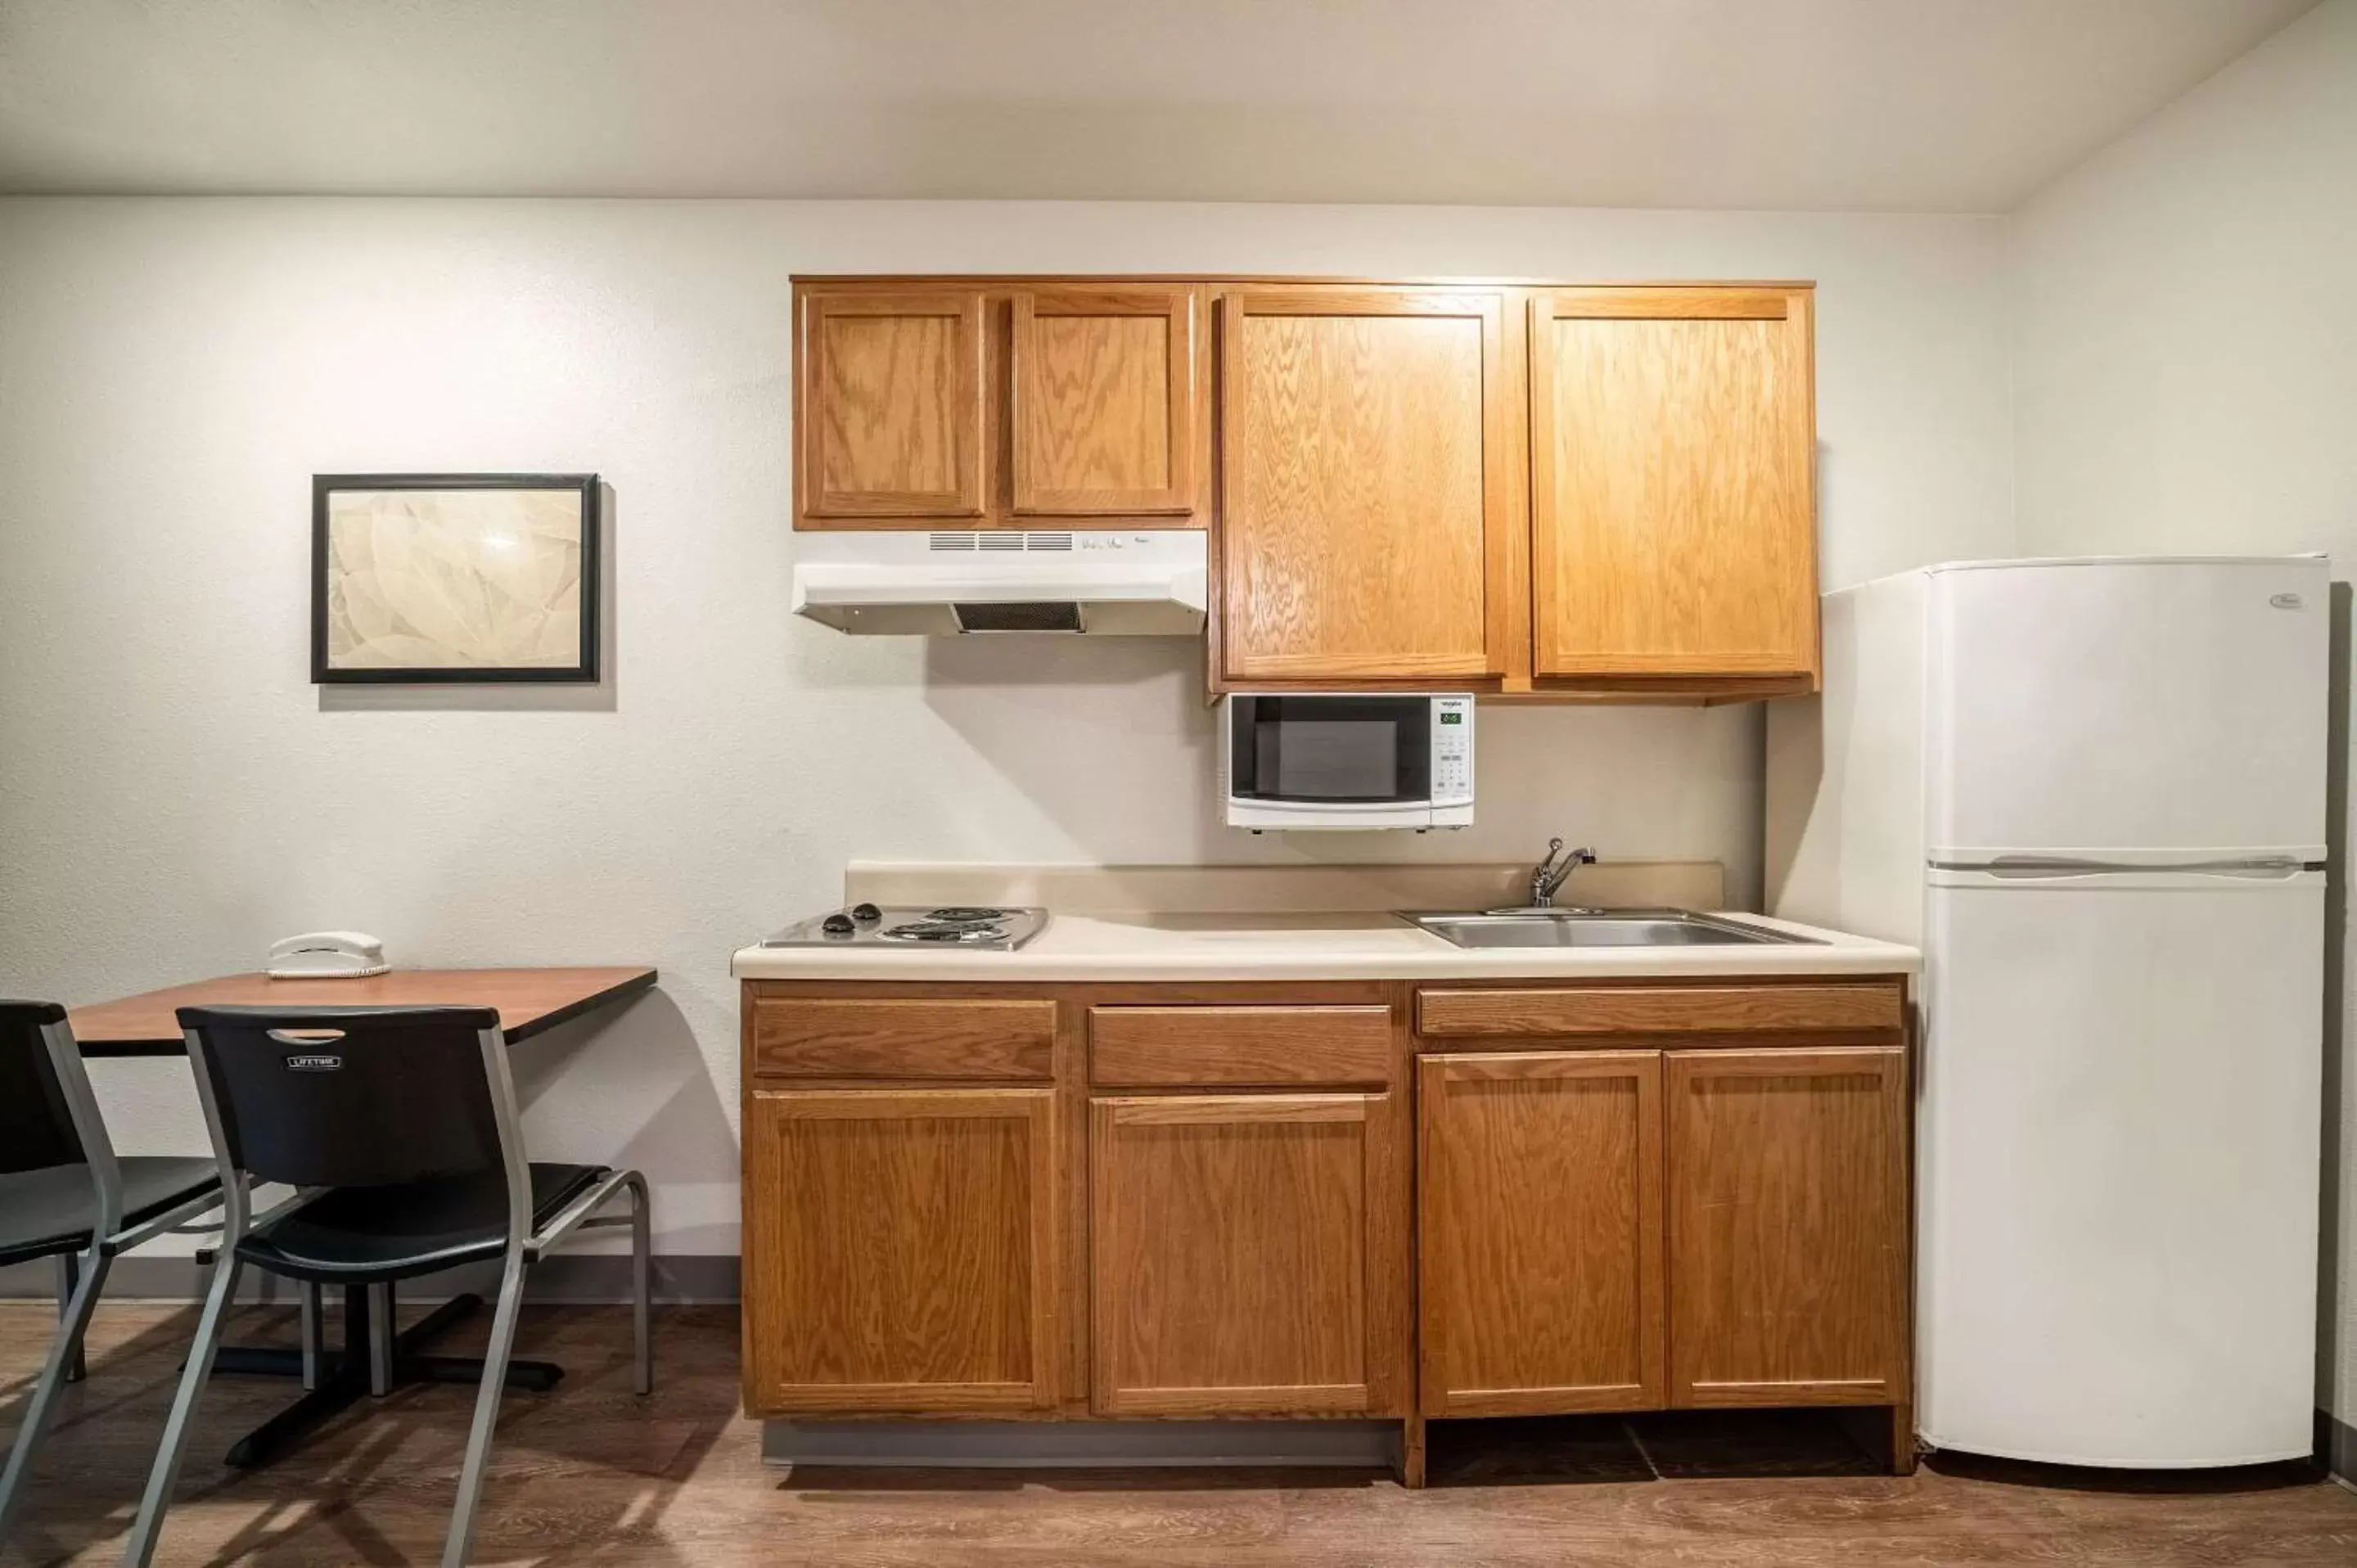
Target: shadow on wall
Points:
(633, 1088)
(2337, 1133)
(499, 697)
(1793, 763)
(1111, 744)
(1139, 702)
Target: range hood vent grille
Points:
(1002, 541)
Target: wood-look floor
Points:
(590, 1474)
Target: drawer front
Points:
(1239, 1046)
(1662, 1009)
(903, 1038)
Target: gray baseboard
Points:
(582, 1277)
(2336, 1448)
(1081, 1445)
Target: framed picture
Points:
(433, 577)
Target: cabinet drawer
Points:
(1663, 1009)
(903, 1037)
(1144, 1045)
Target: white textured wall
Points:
(173, 794)
(2186, 380)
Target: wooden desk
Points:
(529, 1001)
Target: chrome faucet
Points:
(1548, 874)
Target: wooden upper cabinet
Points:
(984, 403)
(1248, 1256)
(1105, 401)
(1368, 484)
(1673, 514)
(1539, 1225)
(1788, 1226)
(901, 1251)
(890, 404)
(1562, 491)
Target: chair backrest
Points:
(37, 1124)
(351, 1096)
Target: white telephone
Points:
(326, 955)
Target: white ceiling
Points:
(1960, 105)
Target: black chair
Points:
(64, 1195)
(403, 1123)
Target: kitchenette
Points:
(1304, 786)
(1092, 1163)
(1262, 1162)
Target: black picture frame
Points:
(585, 671)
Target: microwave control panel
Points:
(1452, 751)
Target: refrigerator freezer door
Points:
(2138, 711)
(2118, 1147)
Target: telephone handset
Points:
(326, 955)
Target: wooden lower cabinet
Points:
(1788, 1227)
(1248, 1255)
(901, 1251)
(1713, 1220)
(1207, 1201)
(1539, 1260)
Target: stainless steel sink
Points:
(1594, 929)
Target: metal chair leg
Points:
(314, 1333)
(486, 1412)
(380, 1338)
(139, 1550)
(68, 1277)
(641, 1285)
(65, 1352)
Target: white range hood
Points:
(1142, 583)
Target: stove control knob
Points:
(865, 912)
(836, 925)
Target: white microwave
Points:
(1360, 759)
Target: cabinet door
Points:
(1105, 411)
(1788, 1215)
(1249, 1256)
(900, 1250)
(889, 406)
(1366, 522)
(1539, 1232)
(1673, 509)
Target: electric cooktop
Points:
(977, 926)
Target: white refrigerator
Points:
(2092, 791)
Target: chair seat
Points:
(45, 1212)
(370, 1233)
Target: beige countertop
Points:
(1111, 946)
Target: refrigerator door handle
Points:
(2047, 867)
(2245, 876)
